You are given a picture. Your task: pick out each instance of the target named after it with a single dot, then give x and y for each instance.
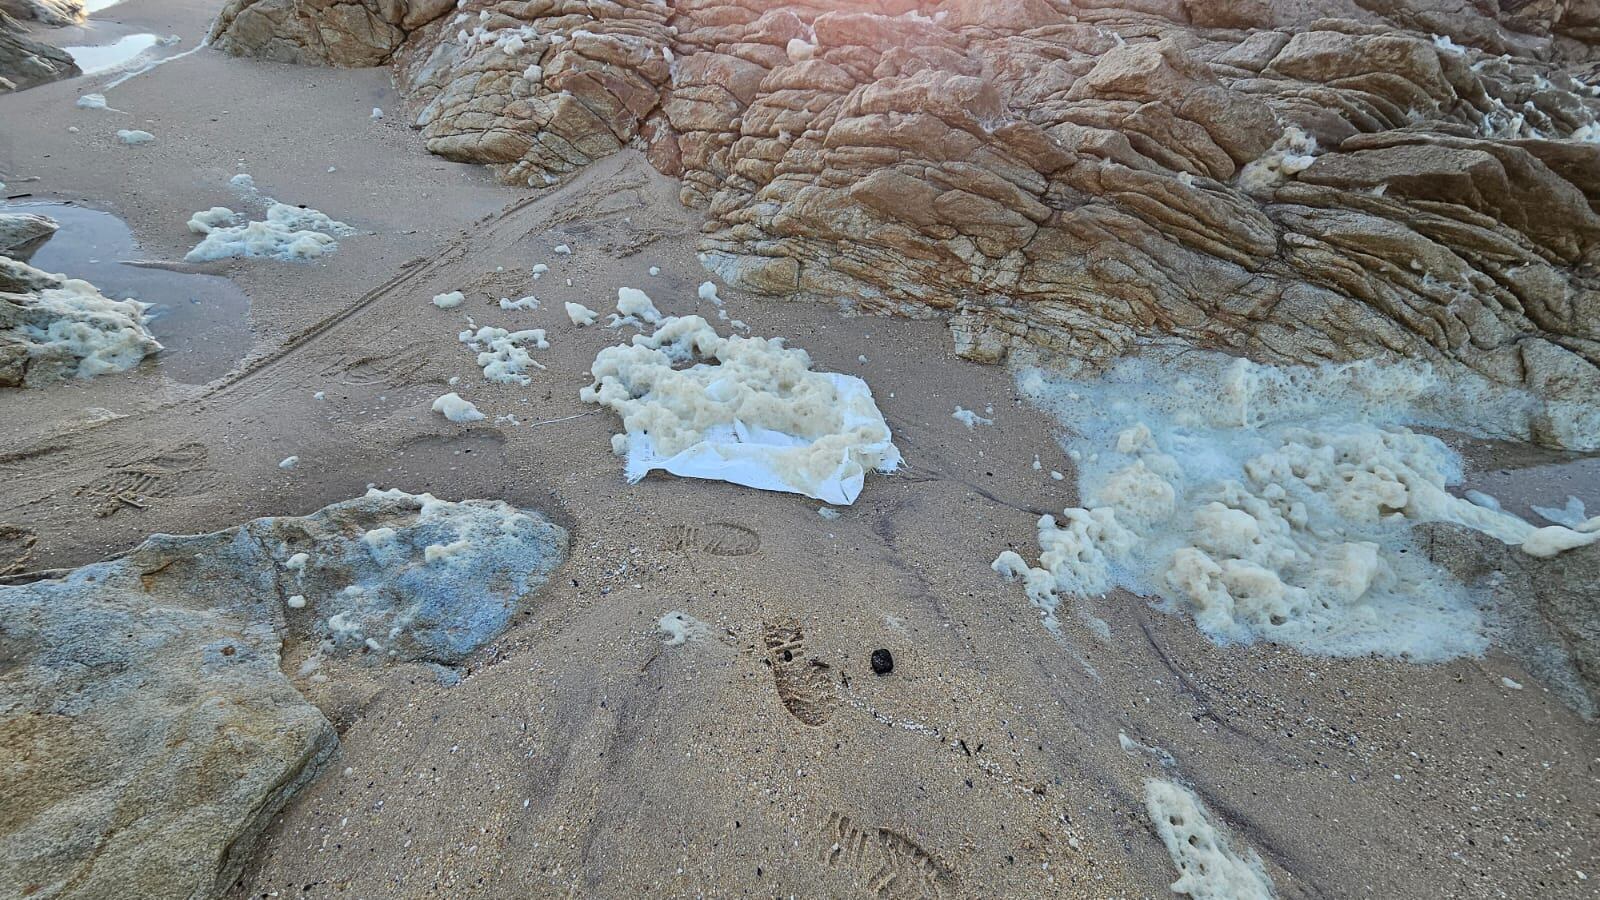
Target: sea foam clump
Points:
(503, 355)
(1209, 866)
(1271, 503)
(287, 232)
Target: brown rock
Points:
(1320, 181)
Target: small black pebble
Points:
(882, 662)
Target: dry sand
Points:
(583, 757)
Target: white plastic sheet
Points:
(752, 457)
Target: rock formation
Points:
(54, 327)
(1292, 182)
(22, 233)
(150, 725)
(47, 12)
(25, 62)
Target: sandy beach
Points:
(580, 755)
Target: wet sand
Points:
(580, 756)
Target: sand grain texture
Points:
(578, 755)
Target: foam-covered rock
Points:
(53, 327)
(164, 681)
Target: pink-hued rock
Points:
(1308, 181)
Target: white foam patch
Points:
(95, 101)
(745, 410)
(287, 232)
(634, 307)
(1269, 503)
(1209, 867)
(452, 407)
(209, 220)
(503, 355)
(526, 304)
(965, 416)
(449, 299)
(1291, 154)
(69, 329)
(1572, 515)
(680, 627)
(581, 315)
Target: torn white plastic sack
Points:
(760, 457)
(751, 413)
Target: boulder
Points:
(47, 12)
(22, 233)
(310, 32)
(53, 327)
(26, 63)
(146, 747)
(150, 721)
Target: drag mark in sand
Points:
(402, 369)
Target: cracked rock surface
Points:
(1294, 182)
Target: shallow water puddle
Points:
(202, 320)
(94, 59)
